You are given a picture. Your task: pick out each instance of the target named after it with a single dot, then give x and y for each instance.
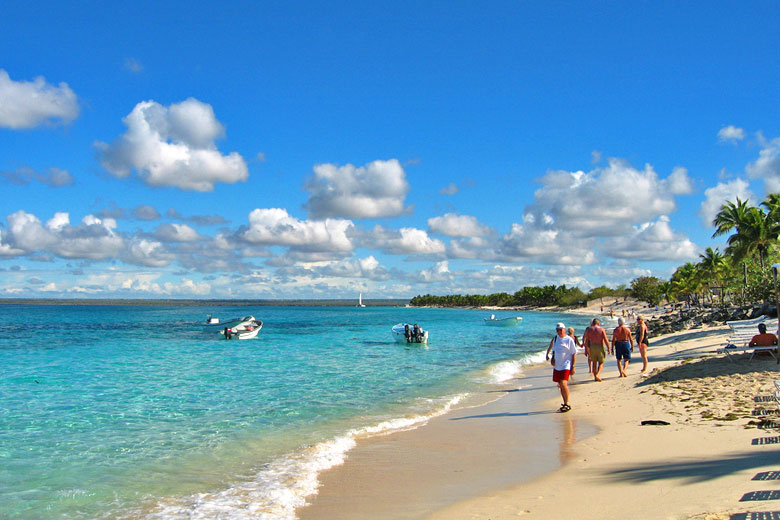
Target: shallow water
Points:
(136, 411)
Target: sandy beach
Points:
(509, 454)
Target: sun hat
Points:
(560, 326)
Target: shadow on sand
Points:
(693, 471)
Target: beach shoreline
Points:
(697, 467)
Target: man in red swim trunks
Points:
(564, 358)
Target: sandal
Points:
(564, 408)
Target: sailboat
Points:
(360, 301)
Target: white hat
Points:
(560, 326)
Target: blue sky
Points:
(319, 150)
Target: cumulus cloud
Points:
(406, 241)
(275, 227)
(767, 166)
(731, 134)
(149, 253)
(606, 201)
(93, 239)
(173, 146)
(718, 195)
(527, 242)
(27, 104)
(25, 175)
(455, 226)
(652, 241)
(176, 233)
(440, 272)
(375, 190)
(201, 220)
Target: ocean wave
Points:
(504, 371)
(283, 485)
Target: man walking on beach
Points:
(563, 360)
(621, 340)
(596, 346)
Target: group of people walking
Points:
(597, 345)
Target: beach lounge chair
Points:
(732, 349)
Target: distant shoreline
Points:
(203, 303)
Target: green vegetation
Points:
(739, 276)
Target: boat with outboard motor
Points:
(406, 333)
(247, 329)
(503, 322)
(215, 323)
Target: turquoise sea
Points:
(127, 411)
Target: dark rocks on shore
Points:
(697, 317)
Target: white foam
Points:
(505, 371)
(283, 485)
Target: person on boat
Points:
(596, 345)
(563, 361)
(408, 333)
(621, 340)
(763, 339)
(641, 340)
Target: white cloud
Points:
(27, 104)
(718, 195)
(93, 239)
(176, 233)
(148, 253)
(678, 183)
(652, 241)
(440, 272)
(606, 201)
(406, 241)
(767, 166)
(731, 134)
(546, 246)
(453, 225)
(173, 146)
(275, 226)
(375, 190)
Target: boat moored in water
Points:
(406, 333)
(247, 329)
(503, 322)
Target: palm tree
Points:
(754, 229)
(714, 265)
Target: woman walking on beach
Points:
(641, 341)
(596, 347)
(621, 339)
(563, 360)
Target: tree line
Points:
(740, 275)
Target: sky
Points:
(285, 150)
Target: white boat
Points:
(503, 322)
(360, 301)
(402, 336)
(212, 323)
(245, 330)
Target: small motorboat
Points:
(503, 322)
(406, 333)
(245, 330)
(214, 323)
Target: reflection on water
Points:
(569, 428)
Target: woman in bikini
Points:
(642, 341)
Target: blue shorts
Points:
(623, 350)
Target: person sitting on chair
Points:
(763, 339)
